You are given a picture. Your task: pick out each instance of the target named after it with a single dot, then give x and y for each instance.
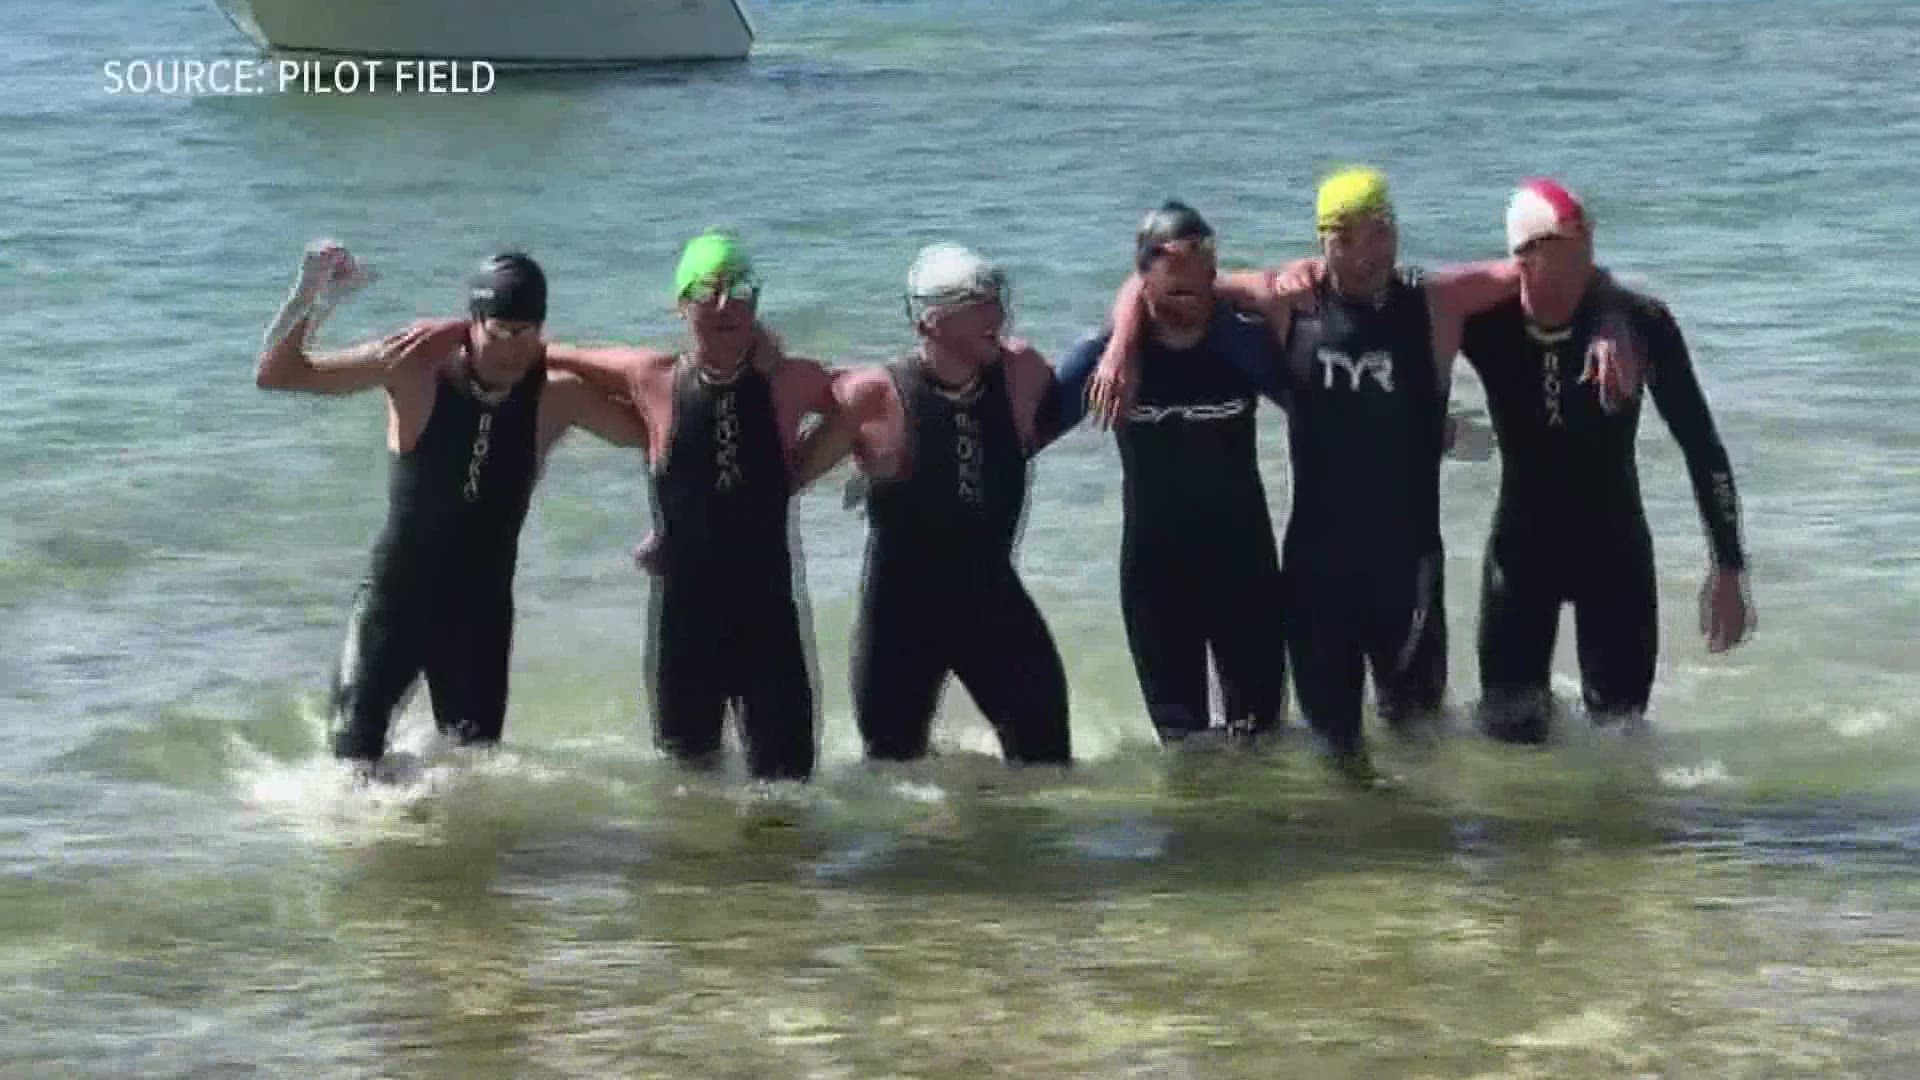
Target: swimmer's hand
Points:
(329, 274)
(1111, 389)
(856, 491)
(1727, 617)
(1467, 439)
(1297, 283)
(1615, 364)
(650, 555)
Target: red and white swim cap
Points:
(1540, 208)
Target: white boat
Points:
(509, 33)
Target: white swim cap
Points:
(1541, 208)
(946, 274)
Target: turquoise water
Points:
(190, 890)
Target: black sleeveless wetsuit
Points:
(1569, 526)
(1363, 552)
(438, 599)
(725, 627)
(941, 594)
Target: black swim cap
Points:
(511, 287)
(1173, 222)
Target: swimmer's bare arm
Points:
(1273, 294)
(862, 398)
(327, 275)
(1110, 390)
(286, 364)
(569, 402)
(614, 369)
(1031, 390)
(1465, 289)
(803, 390)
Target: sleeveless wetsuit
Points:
(1569, 526)
(1363, 551)
(725, 625)
(438, 599)
(1199, 571)
(940, 593)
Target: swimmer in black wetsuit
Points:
(1363, 374)
(944, 436)
(1199, 572)
(1569, 526)
(471, 413)
(723, 420)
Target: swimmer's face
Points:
(720, 312)
(503, 349)
(1555, 265)
(969, 330)
(1361, 252)
(1178, 283)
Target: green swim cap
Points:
(710, 255)
(1352, 193)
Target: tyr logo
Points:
(1378, 364)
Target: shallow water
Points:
(192, 890)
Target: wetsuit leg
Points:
(1008, 662)
(1329, 668)
(1519, 620)
(1409, 656)
(776, 692)
(469, 653)
(900, 664)
(1159, 604)
(381, 658)
(1249, 644)
(689, 696)
(1616, 626)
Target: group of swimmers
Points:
(1354, 348)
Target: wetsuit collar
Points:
(477, 387)
(1376, 299)
(1538, 328)
(961, 392)
(1554, 335)
(713, 377)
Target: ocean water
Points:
(190, 889)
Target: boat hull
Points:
(515, 33)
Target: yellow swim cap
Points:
(1352, 193)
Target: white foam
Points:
(1856, 724)
(332, 802)
(1691, 777)
(1591, 1028)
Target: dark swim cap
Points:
(1173, 222)
(511, 287)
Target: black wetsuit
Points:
(941, 594)
(1198, 567)
(1569, 525)
(725, 624)
(1366, 418)
(439, 597)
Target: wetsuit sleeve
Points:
(1683, 405)
(1476, 335)
(1257, 357)
(1065, 404)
